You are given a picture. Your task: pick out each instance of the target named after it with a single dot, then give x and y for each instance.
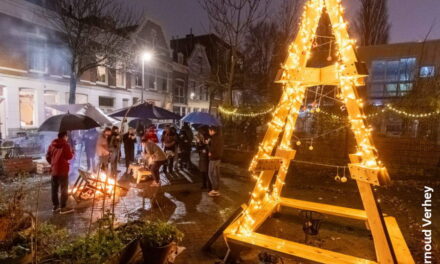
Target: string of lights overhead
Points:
(235, 112)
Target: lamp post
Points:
(146, 57)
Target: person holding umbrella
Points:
(102, 149)
(202, 146)
(113, 143)
(215, 156)
(58, 156)
(129, 140)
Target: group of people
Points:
(173, 150)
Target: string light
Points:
(238, 114)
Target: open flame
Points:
(95, 185)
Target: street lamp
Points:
(146, 57)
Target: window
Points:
(180, 58)
(138, 79)
(125, 102)
(37, 57)
(106, 101)
(151, 82)
(120, 77)
(161, 81)
(179, 92)
(79, 98)
(135, 100)
(427, 71)
(61, 62)
(176, 110)
(82, 98)
(27, 107)
(50, 98)
(391, 78)
(101, 74)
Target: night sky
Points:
(410, 19)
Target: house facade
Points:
(34, 72)
(396, 70)
(206, 59)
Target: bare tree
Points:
(372, 25)
(266, 47)
(94, 32)
(231, 20)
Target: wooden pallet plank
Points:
(325, 208)
(400, 247)
(289, 248)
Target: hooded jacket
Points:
(58, 156)
(216, 147)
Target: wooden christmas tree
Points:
(275, 152)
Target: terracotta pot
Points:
(155, 255)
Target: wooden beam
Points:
(325, 208)
(289, 248)
(382, 242)
(400, 247)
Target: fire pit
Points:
(89, 185)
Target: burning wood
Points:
(89, 185)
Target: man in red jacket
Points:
(58, 156)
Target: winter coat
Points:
(216, 147)
(129, 146)
(154, 151)
(114, 140)
(102, 149)
(151, 136)
(203, 150)
(184, 141)
(58, 155)
(169, 139)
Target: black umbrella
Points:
(68, 122)
(145, 111)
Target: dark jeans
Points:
(206, 180)
(60, 183)
(155, 167)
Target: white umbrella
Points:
(88, 110)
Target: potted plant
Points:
(156, 239)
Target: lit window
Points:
(427, 71)
(27, 107)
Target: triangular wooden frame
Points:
(273, 158)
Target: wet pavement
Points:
(198, 216)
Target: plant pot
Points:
(127, 255)
(155, 255)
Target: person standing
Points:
(90, 138)
(150, 134)
(58, 155)
(169, 141)
(102, 149)
(129, 140)
(202, 145)
(185, 144)
(114, 145)
(157, 157)
(215, 156)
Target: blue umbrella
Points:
(201, 118)
(145, 111)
